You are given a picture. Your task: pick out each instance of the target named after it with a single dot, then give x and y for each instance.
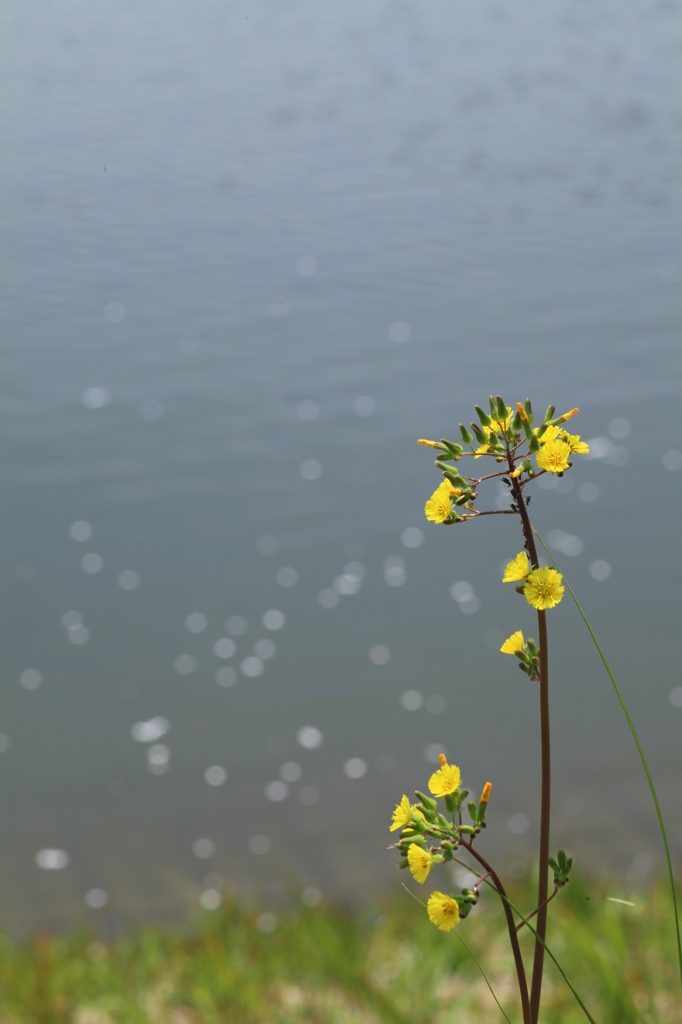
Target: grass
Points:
(325, 965)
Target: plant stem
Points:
(513, 937)
(546, 764)
(534, 912)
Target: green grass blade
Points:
(643, 759)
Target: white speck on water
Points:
(5, 743)
(203, 848)
(286, 576)
(226, 676)
(96, 898)
(355, 768)
(435, 704)
(71, 619)
(267, 922)
(346, 584)
(588, 492)
(518, 824)
(78, 634)
(129, 579)
(236, 625)
(210, 899)
(307, 266)
(158, 756)
(395, 573)
(328, 598)
(675, 697)
(412, 537)
(266, 546)
(277, 791)
(619, 428)
(252, 666)
(260, 845)
(225, 647)
(196, 622)
(96, 398)
(400, 332)
(92, 562)
(672, 460)
(185, 664)
(290, 771)
(311, 469)
(31, 678)
(364, 406)
(273, 619)
(265, 649)
(52, 859)
(80, 530)
(412, 700)
(309, 737)
(151, 730)
(311, 896)
(379, 654)
(600, 570)
(565, 543)
(309, 795)
(215, 775)
(307, 410)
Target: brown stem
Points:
(513, 937)
(527, 919)
(546, 766)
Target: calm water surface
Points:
(253, 252)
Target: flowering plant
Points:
(522, 452)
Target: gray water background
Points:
(251, 244)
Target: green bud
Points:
(550, 412)
(516, 421)
(529, 411)
(501, 409)
(450, 803)
(426, 801)
(451, 471)
(428, 813)
(483, 416)
(446, 845)
(466, 436)
(405, 864)
(447, 853)
(473, 810)
(533, 444)
(467, 830)
(443, 821)
(417, 839)
(493, 407)
(542, 429)
(452, 446)
(528, 430)
(480, 436)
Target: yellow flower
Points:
(485, 795)
(438, 508)
(402, 815)
(517, 569)
(543, 588)
(431, 444)
(553, 456)
(514, 643)
(574, 443)
(443, 911)
(445, 781)
(420, 861)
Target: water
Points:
(255, 251)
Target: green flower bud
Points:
(467, 830)
(473, 810)
(501, 409)
(426, 801)
(466, 436)
(550, 412)
(516, 422)
(529, 411)
(480, 436)
(452, 446)
(483, 416)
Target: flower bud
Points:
(529, 411)
(483, 416)
(480, 436)
(466, 436)
(426, 801)
(550, 412)
(473, 810)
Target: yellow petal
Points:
(517, 569)
(402, 815)
(445, 781)
(513, 644)
(420, 862)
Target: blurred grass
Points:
(327, 965)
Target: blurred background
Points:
(253, 251)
